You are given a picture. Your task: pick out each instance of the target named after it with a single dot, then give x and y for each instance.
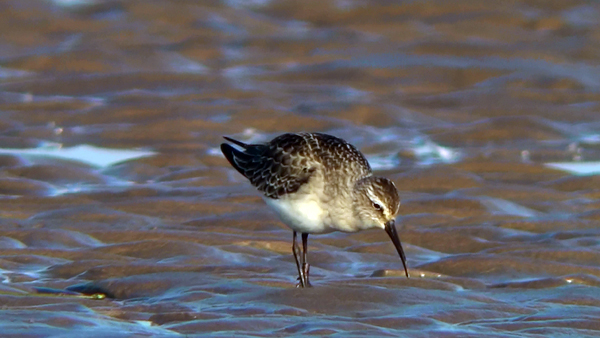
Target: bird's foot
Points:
(306, 284)
(306, 270)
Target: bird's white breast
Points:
(303, 213)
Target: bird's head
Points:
(376, 203)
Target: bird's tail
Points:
(236, 142)
(239, 160)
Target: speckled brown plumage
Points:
(284, 164)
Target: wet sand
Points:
(462, 105)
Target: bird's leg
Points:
(295, 250)
(305, 265)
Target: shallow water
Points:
(485, 115)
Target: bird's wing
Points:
(276, 168)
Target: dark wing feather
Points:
(277, 168)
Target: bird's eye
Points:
(377, 206)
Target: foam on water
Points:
(73, 188)
(96, 156)
(73, 3)
(11, 243)
(9, 73)
(577, 168)
(429, 152)
(383, 161)
(503, 207)
(241, 4)
(590, 139)
(180, 64)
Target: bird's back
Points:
(340, 158)
(283, 165)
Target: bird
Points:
(318, 183)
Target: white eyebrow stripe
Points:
(375, 199)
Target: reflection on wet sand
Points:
(484, 114)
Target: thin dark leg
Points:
(295, 250)
(305, 265)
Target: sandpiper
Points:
(318, 183)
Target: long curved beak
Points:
(390, 228)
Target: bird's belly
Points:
(304, 214)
